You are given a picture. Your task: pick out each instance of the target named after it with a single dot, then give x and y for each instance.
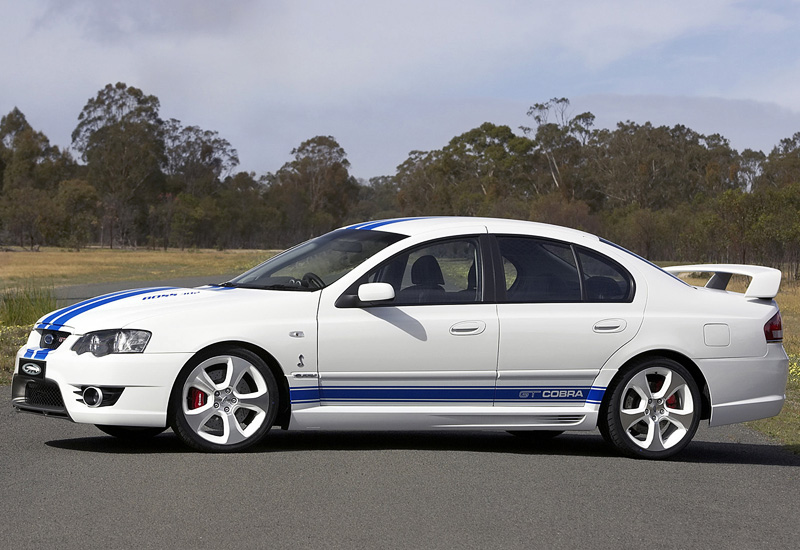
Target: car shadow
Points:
(588, 445)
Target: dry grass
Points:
(786, 426)
(57, 267)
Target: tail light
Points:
(773, 330)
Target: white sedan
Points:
(421, 324)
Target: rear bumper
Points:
(744, 389)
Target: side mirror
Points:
(375, 292)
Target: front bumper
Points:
(136, 386)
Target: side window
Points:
(439, 273)
(537, 270)
(603, 279)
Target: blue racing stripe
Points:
(543, 393)
(380, 223)
(304, 395)
(407, 393)
(47, 320)
(427, 394)
(36, 353)
(596, 395)
(64, 316)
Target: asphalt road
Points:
(68, 295)
(70, 486)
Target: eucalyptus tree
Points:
(31, 170)
(314, 192)
(477, 172)
(120, 138)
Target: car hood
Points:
(126, 308)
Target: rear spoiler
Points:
(765, 281)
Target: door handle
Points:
(467, 328)
(610, 325)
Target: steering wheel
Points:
(312, 278)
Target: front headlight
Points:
(104, 342)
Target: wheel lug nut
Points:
(216, 393)
(227, 390)
(649, 401)
(661, 411)
(653, 417)
(227, 409)
(646, 412)
(216, 405)
(234, 400)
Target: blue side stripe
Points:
(596, 395)
(424, 394)
(89, 305)
(409, 393)
(304, 395)
(542, 393)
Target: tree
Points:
(561, 143)
(782, 166)
(31, 172)
(77, 205)
(473, 174)
(197, 159)
(119, 136)
(315, 191)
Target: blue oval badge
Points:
(31, 369)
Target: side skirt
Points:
(460, 417)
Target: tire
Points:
(653, 410)
(224, 401)
(130, 433)
(536, 435)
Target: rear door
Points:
(565, 310)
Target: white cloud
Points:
(385, 78)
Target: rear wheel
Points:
(130, 433)
(653, 411)
(224, 401)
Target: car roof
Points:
(419, 225)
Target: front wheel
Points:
(224, 401)
(653, 411)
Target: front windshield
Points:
(316, 263)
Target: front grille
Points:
(51, 339)
(43, 394)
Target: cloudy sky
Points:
(385, 78)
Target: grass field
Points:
(57, 267)
(22, 273)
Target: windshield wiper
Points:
(275, 286)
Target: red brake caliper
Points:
(672, 402)
(196, 398)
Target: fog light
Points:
(92, 396)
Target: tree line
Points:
(668, 193)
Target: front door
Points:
(435, 344)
